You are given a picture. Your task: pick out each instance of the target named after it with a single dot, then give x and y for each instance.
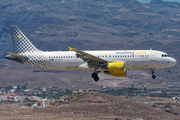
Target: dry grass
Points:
(112, 107)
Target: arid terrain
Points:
(53, 25)
(97, 107)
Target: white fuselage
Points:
(133, 59)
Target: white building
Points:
(15, 87)
(45, 102)
(12, 90)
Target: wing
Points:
(88, 57)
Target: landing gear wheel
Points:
(95, 77)
(153, 76)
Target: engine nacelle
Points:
(117, 69)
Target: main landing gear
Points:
(153, 76)
(95, 74)
(95, 77)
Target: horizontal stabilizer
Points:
(17, 56)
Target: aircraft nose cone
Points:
(173, 61)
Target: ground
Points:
(98, 106)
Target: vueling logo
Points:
(141, 52)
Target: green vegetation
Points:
(77, 97)
(117, 119)
(168, 93)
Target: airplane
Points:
(112, 62)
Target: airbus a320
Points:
(113, 62)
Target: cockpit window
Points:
(165, 55)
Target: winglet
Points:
(70, 48)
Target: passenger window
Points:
(162, 55)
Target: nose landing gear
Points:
(153, 76)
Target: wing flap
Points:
(17, 55)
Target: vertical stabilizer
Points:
(21, 42)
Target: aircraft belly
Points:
(65, 65)
(143, 64)
(129, 65)
(138, 64)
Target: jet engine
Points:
(117, 69)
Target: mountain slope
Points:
(85, 23)
(90, 25)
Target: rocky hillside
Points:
(87, 24)
(90, 25)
